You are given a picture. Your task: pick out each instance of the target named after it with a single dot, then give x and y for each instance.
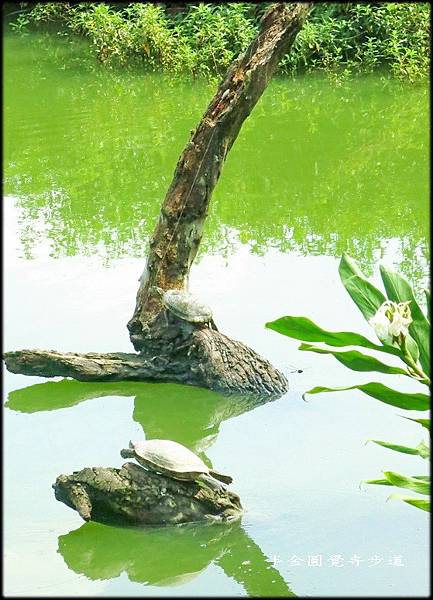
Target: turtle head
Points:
(128, 452)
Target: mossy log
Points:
(135, 496)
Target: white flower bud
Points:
(380, 324)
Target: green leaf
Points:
(424, 422)
(365, 295)
(378, 481)
(425, 478)
(418, 503)
(356, 360)
(428, 302)
(384, 394)
(412, 347)
(399, 290)
(407, 482)
(301, 328)
(421, 450)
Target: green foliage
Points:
(384, 394)
(352, 359)
(421, 486)
(338, 38)
(421, 450)
(301, 328)
(398, 289)
(392, 320)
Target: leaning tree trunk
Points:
(170, 348)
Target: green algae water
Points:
(318, 169)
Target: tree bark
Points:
(177, 236)
(210, 360)
(135, 496)
(173, 349)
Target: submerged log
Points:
(135, 496)
(173, 349)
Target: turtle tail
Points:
(224, 478)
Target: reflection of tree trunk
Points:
(249, 566)
(171, 348)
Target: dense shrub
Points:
(341, 38)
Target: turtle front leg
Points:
(209, 481)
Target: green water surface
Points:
(318, 169)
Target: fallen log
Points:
(210, 359)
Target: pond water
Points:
(318, 169)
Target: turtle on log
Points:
(185, 306)
(176, 461)
(136, 496)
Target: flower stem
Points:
(418, 373)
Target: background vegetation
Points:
(202, 39)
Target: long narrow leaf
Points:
(424, 422)
(425, 478)
(384, 394)
(357, 361)
(408, 483)
(365, 295)
(421, 450)
(301, 328)
(399, 290)
(378, 482)
(417, 502)
(428, 302)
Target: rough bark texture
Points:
(210, 360)
(134, 496)
(178, 233)
(171, 348)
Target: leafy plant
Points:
(403, 330)
(338, 38)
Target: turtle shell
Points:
(166, 456)
(187, 307)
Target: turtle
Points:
(185, 306)
(176, 461)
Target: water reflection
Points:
(189, 415)
(317, 169)
(171, 556)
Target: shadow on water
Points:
(171, 556)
